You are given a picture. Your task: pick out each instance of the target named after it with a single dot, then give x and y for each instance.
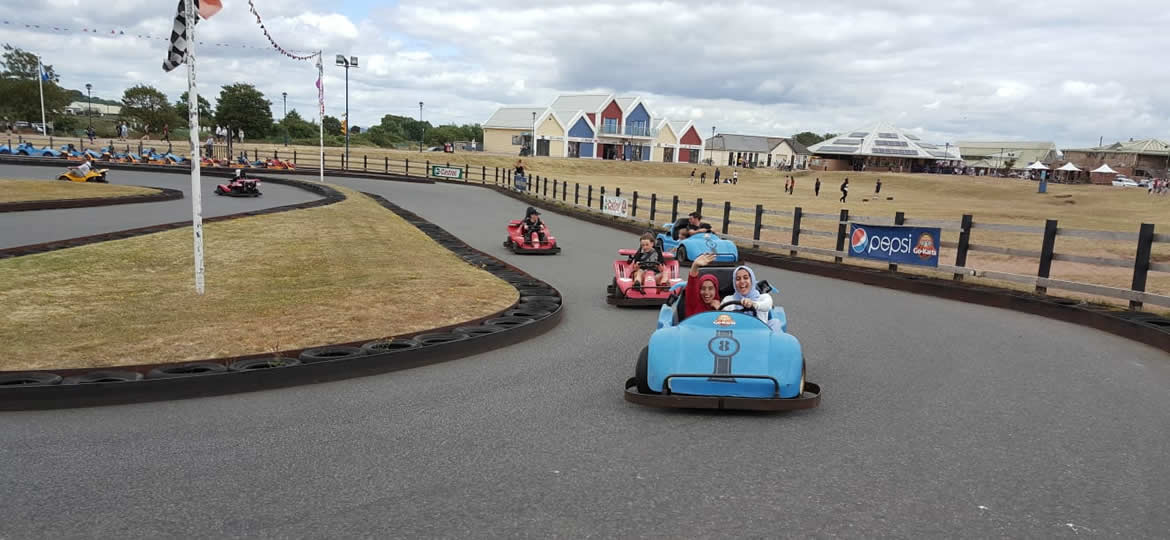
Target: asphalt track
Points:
(35, 227)
(939, 419)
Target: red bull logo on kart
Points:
(898, 244)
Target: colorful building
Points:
(597, 126)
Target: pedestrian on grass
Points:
(703, 177)
(89, 132)
(693, 176)
(792, 188)
(166, 132)
(716, 175)
(817, 188)
(845, 189)
(877, 188)
(735, 177)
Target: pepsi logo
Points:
(860, 240)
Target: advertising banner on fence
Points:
(900, 245)
(616, 206)
(454, 173)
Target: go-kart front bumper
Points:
(809, 399)
(614, 297)
(536, 250)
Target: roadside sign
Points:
(616, 206)
(900, 245)
(439, 171)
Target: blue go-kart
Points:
(698, 243)
(721, 359)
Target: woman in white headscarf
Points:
(746, 295)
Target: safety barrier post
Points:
(759, 225)
(634, 207)
(276, 154)
(653, 204)
(576, 193)
(797, 213)
(545, 192)
(427, 171)
(841, 233)
(483, 174)
(407, 166)
(255, 154)
(565, 191)
(726, 215)
(365, 162)
(589, 198)
(899, 219)
(386, 164)
(554, 188)
(497, 176)
(617, 192)
(964, 244)
(1141, 263)
(1046, 250)
(674, 209)
(601, 199)
(294, 156)
(699, 206)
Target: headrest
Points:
(724, 275)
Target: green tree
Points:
(20, 64)
(297, 127)
(332, 125)
(809, 138)
(148, 106)
(355, 130)
(242, 106)
(181, 111)
(22, 99)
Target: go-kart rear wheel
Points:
(800, 389)
(680, 254)
(640, 370)
(63, 178)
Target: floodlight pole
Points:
(193, 120)
(284, 116)
(89, 102)
(347, 114)
(321, 114)
(421, 128)
(41, 86)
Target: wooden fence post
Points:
(576, 193)
(674, 209)
(386, 164)
(699, 206)
(726, 215)
(601, 199)
(842, 232)
(483, 174)
(617, 192)
(964, 244)
(365, 162)
(589, 197)
(899, 219)
(294, 156)
(1046, 251)
(1141, 263)
(797, 213)
(407, 160)
(653, 204)
(759, 225)
(634, 207)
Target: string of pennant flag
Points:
(120, 33)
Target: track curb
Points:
(161, 194)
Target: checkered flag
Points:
(178, 51)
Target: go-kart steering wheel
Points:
(741, 306)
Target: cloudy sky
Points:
(1068, 71)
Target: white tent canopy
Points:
(1069, 167)
(1038, 167)
(1105, 169)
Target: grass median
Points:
(53, 190)
(345, 272)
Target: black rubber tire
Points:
(536, 291)
(640, 371)
(529, 311)
(546, 299)
(103, 376)
(192, 369)
(508, 322)
(546, 307)
(680, 255)
(324, 354)
(439, 338)
(29, 379)
(262, 363)
(481, 330)
(389, 346)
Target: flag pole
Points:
(41, 87)
(193, 121)
(321, 112)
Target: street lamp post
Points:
(89, 103)
(421, 128)
(712, 145)
(284, 115)
(532, 149)
(351, 62)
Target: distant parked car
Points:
(1122, 181)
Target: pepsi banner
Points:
(899, 245)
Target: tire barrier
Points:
(328, 196)
(29, 379)
(385, 346)
(192, 369)
(163, 194)
(537, 310)
(103, 376)
(333, 352)
(263, 363)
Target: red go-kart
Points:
(622, 292)
(240, 186)
(530, 246)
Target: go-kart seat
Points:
(726, 288)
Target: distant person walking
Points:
(693, 176)
(735, 177)
(166, 133)
(877, 188)
(845, 190)
(89, 131)
(716, 175)
(792, 188)
(703, 177)
(817, 188)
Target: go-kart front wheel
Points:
(63, 178)
(640, 371)
(680, 254)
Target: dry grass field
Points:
(51, 190)
(344, 272)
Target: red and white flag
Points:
(207, 8)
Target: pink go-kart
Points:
(532, 245)
(622, 291)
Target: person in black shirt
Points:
(684, 226)
(533, 224)
(648, 258)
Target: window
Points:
(609, 125)
(517, 140)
